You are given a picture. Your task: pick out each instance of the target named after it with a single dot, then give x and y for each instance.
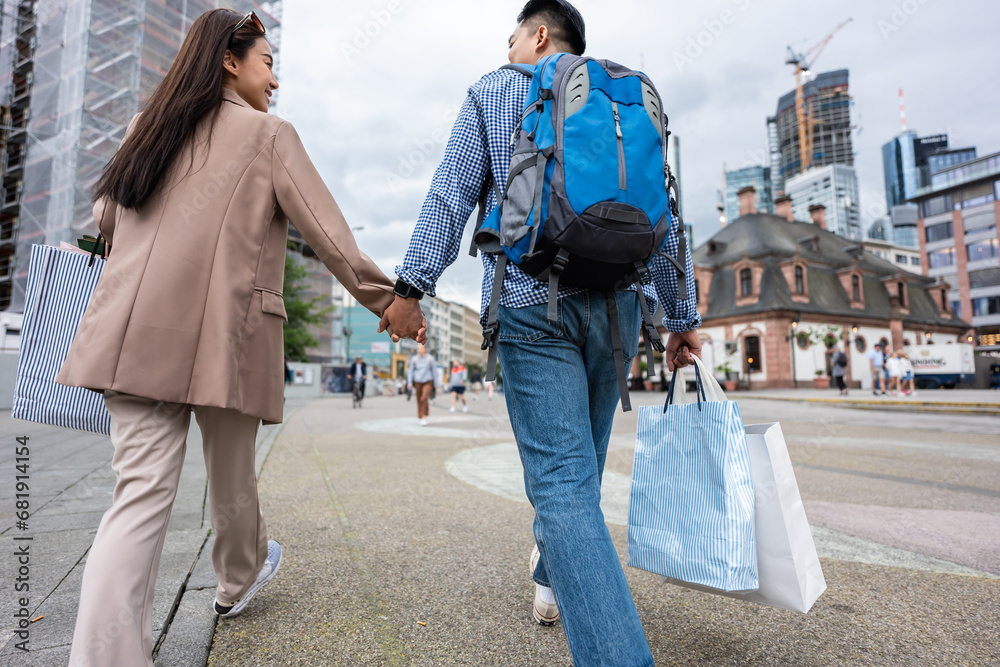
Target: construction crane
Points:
(803, 62)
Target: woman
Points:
(188, 316)
(422, 377)
(840, 369)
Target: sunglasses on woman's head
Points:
(252, 20)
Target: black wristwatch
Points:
(407, 291)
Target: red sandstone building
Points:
(775, 293)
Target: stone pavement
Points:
(955, 401)
(71, 484)
(409, 545)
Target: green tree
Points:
(302, 312)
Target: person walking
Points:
(876, 359)
(188, 316)
(560, 382)
(906, 369)
(840, 369)
(421, 377)
(359, 378)
(456, 385)
(894, 370)
(475, 383)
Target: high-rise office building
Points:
(72, 75)
(909, 161)
(835, 187)
(828, 109)
(760, 179)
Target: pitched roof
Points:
(772, 240)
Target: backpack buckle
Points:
(489, 334)
(645, 277)
(560, 263)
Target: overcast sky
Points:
(374, 111)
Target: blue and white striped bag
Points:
(60, 284)
(691, 514)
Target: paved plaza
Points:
(409, 545)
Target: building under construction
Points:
(72, 75)
(828, 110)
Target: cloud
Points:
(372, 86)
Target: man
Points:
(877, 361)
(560, 382)
(358, 374)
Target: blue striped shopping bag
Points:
(691, 513)
(60, 283)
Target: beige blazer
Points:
(189, 308)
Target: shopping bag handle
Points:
(700, 391)
(93, 253)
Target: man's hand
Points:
(680, 349)
(404, 319)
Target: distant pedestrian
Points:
(187, 317)
(840, 369)
(475, 383)
(456, 385)
(894, 369)
(359, 376)
(876, 359)
(421, 377)
(907, 371)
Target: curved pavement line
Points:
(496, 469)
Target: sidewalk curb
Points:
(902, 406)
(187, 637)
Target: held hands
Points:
(404, 319)
(681, 347)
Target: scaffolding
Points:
(73, 73)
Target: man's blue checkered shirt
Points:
(486, 122)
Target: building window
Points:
(956, 309)
(940, 232)
(984, 250)
(915, 261)
(937, 206)
(860, 344)
(985, 306)
(944, 300)
(906, 342)
(942, 258)
(746, 282)
(800, 280)
(901, 292)
(884, 343)
(902, 259)
(855, 288)
(751, 349)
(802, 340)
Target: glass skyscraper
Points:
(758, 177)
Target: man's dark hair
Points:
(561, 18)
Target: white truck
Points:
(949, 366)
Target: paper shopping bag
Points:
(60, 284)
(691, 513)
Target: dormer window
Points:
(855, 288)
(746, 282)
(901, 291)
(944, 301)
(800, 280)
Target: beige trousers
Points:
(114, 623)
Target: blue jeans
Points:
(561, 389)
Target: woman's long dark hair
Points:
(190, 91)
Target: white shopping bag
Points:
(788, 569)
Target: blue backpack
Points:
(587, 198)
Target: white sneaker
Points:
(423, 422)
(465, 408)
(451, 409)
(264, 577)
(544, 609)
